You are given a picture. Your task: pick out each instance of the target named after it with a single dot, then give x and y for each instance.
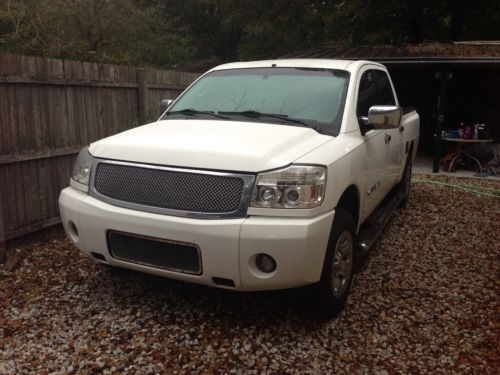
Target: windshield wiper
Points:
(194, 112)
(251, 113)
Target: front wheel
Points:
(333, 288)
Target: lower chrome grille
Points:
(172, 191)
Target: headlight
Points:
(298, 186)
(82, 167)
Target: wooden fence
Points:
(49, 110)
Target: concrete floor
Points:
(423, 165)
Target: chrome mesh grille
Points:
(169, 189)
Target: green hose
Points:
(494, 190)
(495, 193)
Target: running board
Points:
(372, 227)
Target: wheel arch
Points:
(350, 201)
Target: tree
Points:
(119, 31)
(166, 33)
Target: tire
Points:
(332, 290)
(405, 184)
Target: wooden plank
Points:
(27, 185)
(70, 82)
(16, 68)
(33, 185)
(104, 72)
(112, 75)
(19, 193)
(6, 146)
(24, 116)
(75, 69)
(105, 123)
(27, 67)
(90, 113)
(143, 95)
(76, 101)
(132, 114)
(57, 70)
(8, 192)
(64, 82)
(3, 246)
(51, 107)
(73, 133)
(52, 185)
(62, 175)
(99, 108)
(12, 123)
(45, 109)
(27, 229)
(45, 154)
(113, 111)
(94, 72)
(43, 192)
(7, 66)
(61, 115)
(37, 129)
(86, 69)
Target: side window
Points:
(367, 94)
(374, 89)
(385, 96)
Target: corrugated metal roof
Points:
(432, 52)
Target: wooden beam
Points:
(16, 158)
(67, 82)
(19, 232)
(167, 86)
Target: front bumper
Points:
(228, 246)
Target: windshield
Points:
(291, 96)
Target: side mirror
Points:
(164, 104)
(382, 117)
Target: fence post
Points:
(3, 247)
(143, 97)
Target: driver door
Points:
(377, 142)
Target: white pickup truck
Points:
(261, 175)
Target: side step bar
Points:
(373, 225)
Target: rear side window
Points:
(374, 89)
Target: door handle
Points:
(388, 138)
(401, 128)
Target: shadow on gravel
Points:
(167, 299)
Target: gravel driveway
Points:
(426, 299)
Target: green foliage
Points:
(416, 21)
(166, 33)
(121, 31)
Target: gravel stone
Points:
(424, 300)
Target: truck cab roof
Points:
(349, 65)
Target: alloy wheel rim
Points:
(342, 264)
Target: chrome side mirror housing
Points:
(385, 116)
(165, 104)
(382, 117)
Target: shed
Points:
(448, 83)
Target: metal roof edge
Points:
(439, 61)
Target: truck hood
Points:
(211, 144)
